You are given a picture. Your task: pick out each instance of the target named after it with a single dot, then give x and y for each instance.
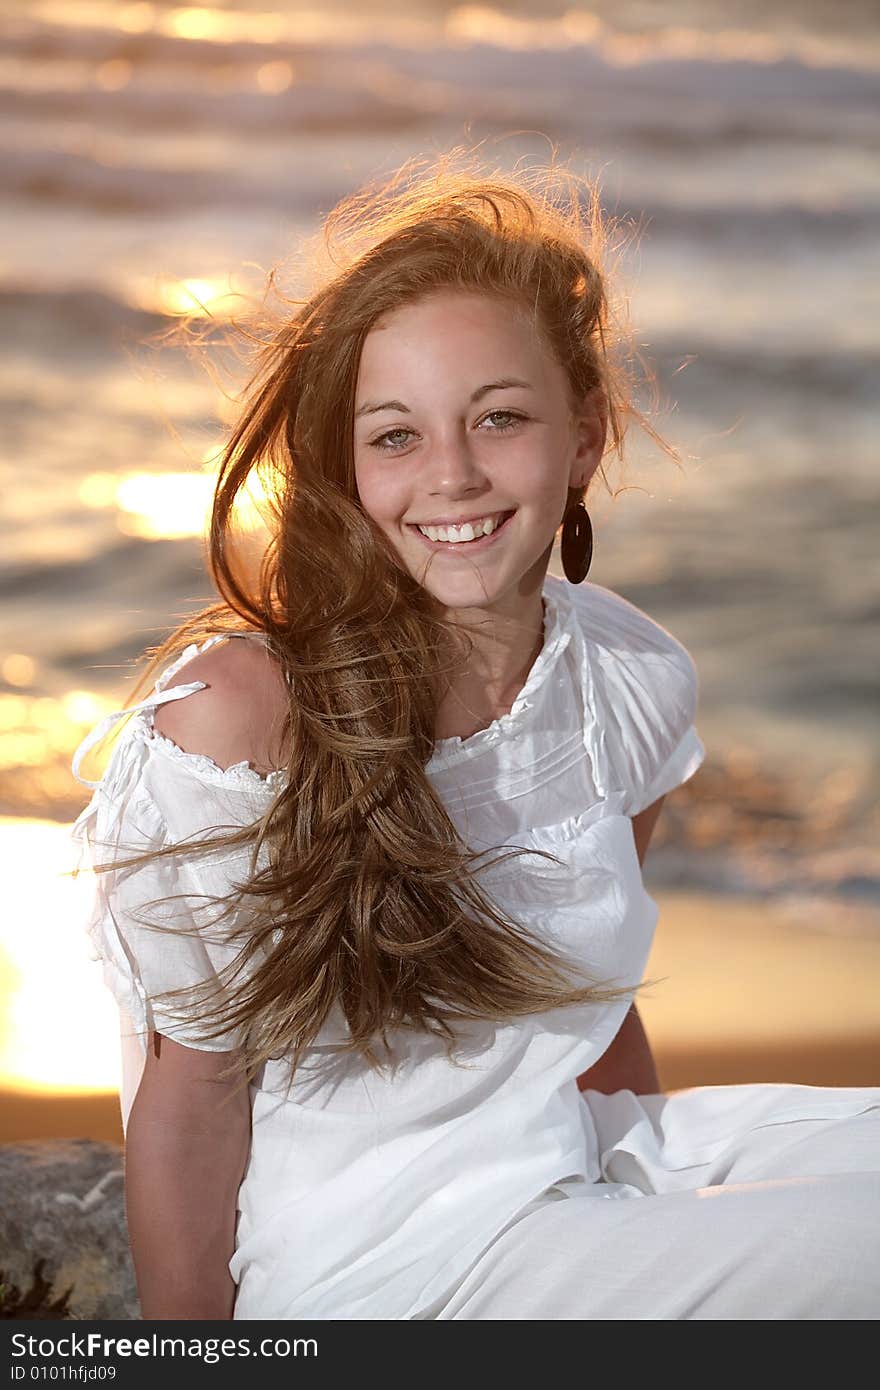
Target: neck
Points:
(487, 684)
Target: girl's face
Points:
(462, 412)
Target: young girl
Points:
(370, 893)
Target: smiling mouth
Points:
(481, 540)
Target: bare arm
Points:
(628, 1064)
(188, 1137)
(185, 1156)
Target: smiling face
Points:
(462, 411)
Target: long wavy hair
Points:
(361, 895)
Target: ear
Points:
(590, 429)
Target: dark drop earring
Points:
(577, 544)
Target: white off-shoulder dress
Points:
(497, 1189)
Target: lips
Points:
(480, 543)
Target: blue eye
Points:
(513, 415)
(378, 443)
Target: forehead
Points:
(454, 327)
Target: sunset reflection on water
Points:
(59, 1029)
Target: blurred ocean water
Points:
(156, 154)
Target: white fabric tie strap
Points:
(103, 727)
(160, 696)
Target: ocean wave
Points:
(344, 79)
(308, 108)
(583, 108)
(816, 370)
(79, 179)
(165, 566)
(88, 315)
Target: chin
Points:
(464, 595)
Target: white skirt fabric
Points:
(755, 1202)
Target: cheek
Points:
(380, 490)
(536, 474)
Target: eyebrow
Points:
(503, 384)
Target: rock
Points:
(64, 1249)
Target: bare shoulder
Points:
(239, 715)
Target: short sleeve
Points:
(129, 814)
(681, 765)
(649, 695)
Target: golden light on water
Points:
(35, 730)
(83, 707)
(164, 505)
(230, 26)
(98, 490)
(195, 22)
(59, 1027)
(469, 24)
(171, 506)
(199, 298)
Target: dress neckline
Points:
(453, 749)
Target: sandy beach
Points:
(748, 993)
(764, 990)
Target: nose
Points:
(454, 470)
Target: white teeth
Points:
(468, 532)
